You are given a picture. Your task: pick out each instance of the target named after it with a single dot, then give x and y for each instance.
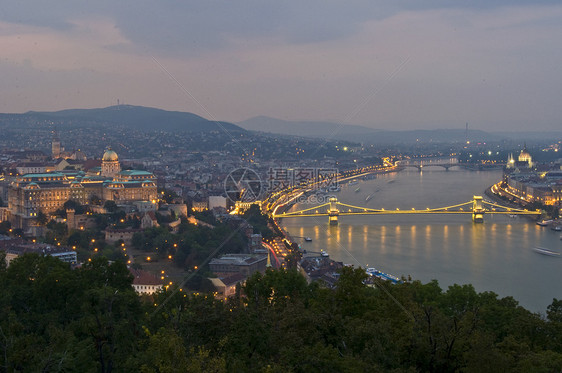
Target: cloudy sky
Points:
(399, 64)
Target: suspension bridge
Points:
(477, 207)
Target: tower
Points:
(333, 211)
(55, 145)
(477, 209)
(268, 264)
(510, 161)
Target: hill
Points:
(138, 117)
(366, 135)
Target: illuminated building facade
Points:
(47, 192)
(545, 188)
(524, 160)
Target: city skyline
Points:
(385, 66)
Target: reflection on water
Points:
(495, 255)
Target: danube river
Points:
(493, 256)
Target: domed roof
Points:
(110, 155)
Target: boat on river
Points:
(556, 227)
(357, 190)
(543, 251)
(382, 276)
(544, 223)
(308, 239)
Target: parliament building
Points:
(47, 192)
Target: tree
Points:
(95, 200)
(5, 227)
(110, 206)
(42, 218)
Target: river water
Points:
(493, 256)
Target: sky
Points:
(401, 64)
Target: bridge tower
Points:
(333, 211)
(477, 210)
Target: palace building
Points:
(47, 192)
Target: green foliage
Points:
(42, 218)
(191, 246)
(259, 221)
(166, 195)
(77, 207)
(110, 206)
(5, 227)
(54, 318)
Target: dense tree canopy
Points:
(54, 318)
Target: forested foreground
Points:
(54, 319)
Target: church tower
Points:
(55, 145)
(110, 166)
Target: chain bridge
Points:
(477, 207)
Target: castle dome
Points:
(110, 155)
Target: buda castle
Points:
(47, 192)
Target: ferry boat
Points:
(543, 251)
(382, 276)
(308, 239)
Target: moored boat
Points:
(308, 239)
(382, 276)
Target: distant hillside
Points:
(305, 128)
(365, 135)
(138, 117)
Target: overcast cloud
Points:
(392, 64)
